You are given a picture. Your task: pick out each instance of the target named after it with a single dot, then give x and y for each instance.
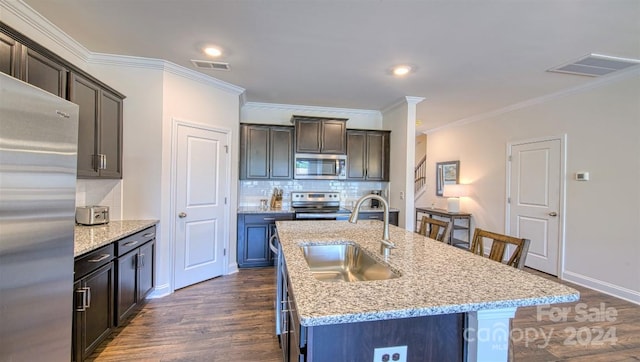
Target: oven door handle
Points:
(318, 216)
(272, 245)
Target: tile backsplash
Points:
(250, 191)
(101, 192)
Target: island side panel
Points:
(430, 338)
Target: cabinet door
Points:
(96, 321)
(308, 136)
(256, 248)
(126, 273)
(10, 54)
(44, 73)
(146, 260)
(254, 152)
(110, 146)
(377, 156)
(334, 137)
(86, 95)
(356, 160)
(281, 153)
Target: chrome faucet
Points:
(385, 244)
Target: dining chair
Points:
(499, 247)
(435, 229)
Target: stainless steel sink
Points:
(345, 262)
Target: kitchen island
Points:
(456, 297)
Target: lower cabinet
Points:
(379, 215)
(134, 272)
(254, 232)
(110, 284)
(93, 301)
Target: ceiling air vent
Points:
(206, 64)
(595, 65)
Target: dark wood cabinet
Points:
(379, 215)
(99, 129)
(100, 123)
(28, 65)
(10, 56)
(266, 152)
(368, 155)
(320, 135)
(93, 301)
(44, 73)
(254, 232)
(134, 272)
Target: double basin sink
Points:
(345, 262)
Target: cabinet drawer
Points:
(92, 261)
(266, 218)
(134, 241)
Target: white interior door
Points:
(201, 220)
(534, 207)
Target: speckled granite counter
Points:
(88, 238)
(436, 278)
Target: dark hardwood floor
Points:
(231, 318)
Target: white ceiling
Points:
(471, 56)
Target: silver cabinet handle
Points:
(131, 243)
(82, 306)
(269, 219)
(140, 261)
(100, 258)
(182, 215)
(103, 162)
(147, 235)
(553, 213)
(88, 305)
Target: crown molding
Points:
(159, 64)
(312, 109)
(42, 25)
(621, 75)
(402, 102)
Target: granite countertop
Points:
(89, 238)
(436, 278)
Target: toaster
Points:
(92, 215)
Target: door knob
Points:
(553, 213)
(182, 215)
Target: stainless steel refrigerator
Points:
(38, 150)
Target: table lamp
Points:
(453, 192)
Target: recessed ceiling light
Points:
(212, 51)
(401, 70)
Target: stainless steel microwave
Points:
(312, 166)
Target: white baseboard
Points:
(629, 295)
(232, 269)
(160, 291)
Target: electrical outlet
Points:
(401, 195)
(390, 354)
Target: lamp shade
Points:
(455, 190)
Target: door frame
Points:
(176, 123)
(562, 194)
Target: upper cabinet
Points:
(100, 117)
(368, 155)
(10, 56)
(320, 135)
(44, 73)
(266, 152)
(99, 129)
(32, 67)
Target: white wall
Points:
(270, 113)
(602, 124)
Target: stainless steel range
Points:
(318, 205)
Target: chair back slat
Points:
(435, 229)
(499, 247)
